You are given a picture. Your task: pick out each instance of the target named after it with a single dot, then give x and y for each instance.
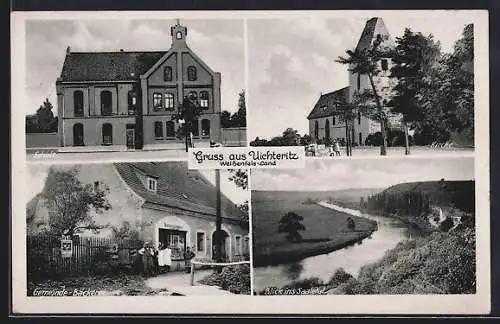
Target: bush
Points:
(235, 279)
(339, 277)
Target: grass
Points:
(128, 285)
(326, 229)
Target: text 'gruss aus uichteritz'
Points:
(246, 157)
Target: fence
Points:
(45, 259)
(234, 136)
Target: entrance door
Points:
(130, 138)
(176, 240)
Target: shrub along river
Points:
(389, 233)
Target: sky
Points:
(219, 43)
(324, 175)
(292, 61)
(37, 173)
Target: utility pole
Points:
(218, 221)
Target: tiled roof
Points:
(325, 106)
(106, 66)
(177, 187)
(373, 27)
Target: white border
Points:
(377, 304)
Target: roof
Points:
(325, 106)
(106, 66)
(177, 187)
(373, 27)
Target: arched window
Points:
(205, 127)
(107, 134)
(359, 117)
(169, 101)
(158, 129)
(106, 103)
(192, 73)
(204, 99)
(78, 134)
(167, 74)
(170, 129)
(78, 103)
(178, 35)
(157, 102)
(132, 100)
(360, 138)
(195, 128)
(327, 129)
(316, 130)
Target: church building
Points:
(125, 100)
(324, 120)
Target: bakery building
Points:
(165, 202)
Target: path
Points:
(179, 284)
(361, 151)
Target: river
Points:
(390, 232)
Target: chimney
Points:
(68, 50)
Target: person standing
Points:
(167, 258)
(336, 148)
(188, 255)
(147, 259)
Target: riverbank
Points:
(326, 231)
(297, 251)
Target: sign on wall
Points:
(66, 248)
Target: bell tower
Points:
(178, 34)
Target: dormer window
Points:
(152, 184)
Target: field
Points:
(326, 229)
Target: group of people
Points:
(333, 149)
(155, 261)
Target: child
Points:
(336, 148)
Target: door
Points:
(130, 138)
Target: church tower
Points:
(178, 34)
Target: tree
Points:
(239, 118)
(69, 202)
(290, 224)
(291, 137)
(365, 62)
(239, 177)
(305, 140)
(244, 208)
(188, 114)
(225, 119)
(45, 116)
(125, 231)
(413, 58)
(347, 113)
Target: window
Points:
(246, 246)
(169, 101)
(195, 128)
(384, 64)
(316, 131)
(157, 104)
(167, 73)
(107, 134)
(170, 129)
(158, 129)
(239, 246)
(204, 99)
(178, 35)
(327, 129)
(200, 241)
(192, 73)
(106, 103)
(360, 137)
(78, 103)
(359, 117)
(78, 134)
(152, 184)
(132, 100)
(359, 81)
(333, 123)
(205, 127)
